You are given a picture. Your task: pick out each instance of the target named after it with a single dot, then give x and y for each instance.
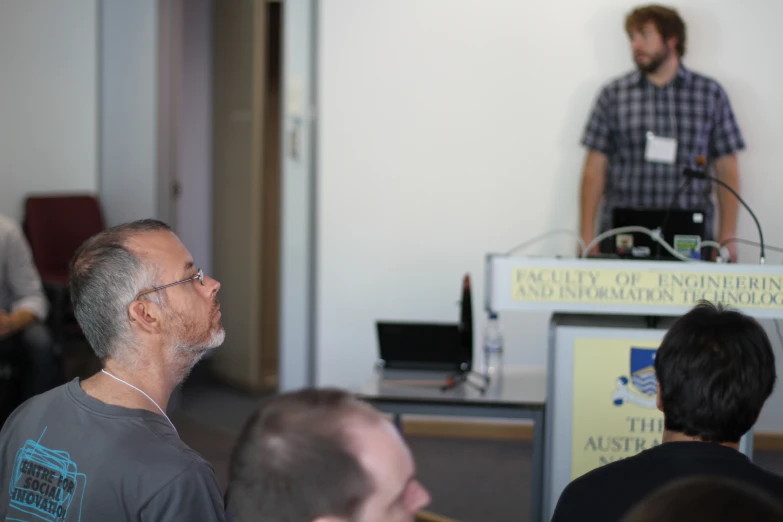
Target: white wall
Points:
(48, 107)
(449, 129)
(128, 109)
(194, 151)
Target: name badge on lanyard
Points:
(660, 149)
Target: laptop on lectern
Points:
(682, 229)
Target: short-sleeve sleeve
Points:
(599, 133)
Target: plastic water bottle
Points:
(493, 347)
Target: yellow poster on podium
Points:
(614, 407)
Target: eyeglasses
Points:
(199, 275)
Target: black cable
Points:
(545, 235)
(694, 173)
(751, 243)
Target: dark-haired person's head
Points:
(322, 455)
(715, 370)
(657, 33)
(706, 499)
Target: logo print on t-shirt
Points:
(45, 486)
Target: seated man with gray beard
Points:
(103, 449)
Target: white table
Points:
(519, 393)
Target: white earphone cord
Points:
(142, 392)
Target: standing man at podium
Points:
(648, 125)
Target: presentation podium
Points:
(608, 319)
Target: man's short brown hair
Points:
(665, 19)
(294, 459)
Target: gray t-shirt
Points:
(65, 456)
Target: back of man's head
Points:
(105, 277)
(715, 369)
(293, 461)
(706, 499)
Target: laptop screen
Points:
(425, 346)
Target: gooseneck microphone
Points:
(700, 173)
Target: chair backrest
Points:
(56, 225)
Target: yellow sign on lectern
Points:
(614, 403)
(633, 287)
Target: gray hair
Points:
(105, 278)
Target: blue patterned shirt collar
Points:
(681, 79)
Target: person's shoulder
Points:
(187, 457)
(9, 226)
(618, 470)
(160, 446)
(194, 494)
(624, 81)
(6, 221)
(768, 478)
(38, 403)
(34, 410)
(703, 82)
(605, 474)
(188, 469)
(580, 496)
(613, 89)
(699, 77)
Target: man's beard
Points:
(655, 61)
(191, 340)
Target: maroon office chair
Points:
(55, 226)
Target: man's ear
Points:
(144, 315)
(671, 43)
(658, 401)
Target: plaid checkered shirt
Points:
(692, 108)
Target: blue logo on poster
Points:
(643, 382)
(643, 370)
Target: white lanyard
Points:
(147, 396)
